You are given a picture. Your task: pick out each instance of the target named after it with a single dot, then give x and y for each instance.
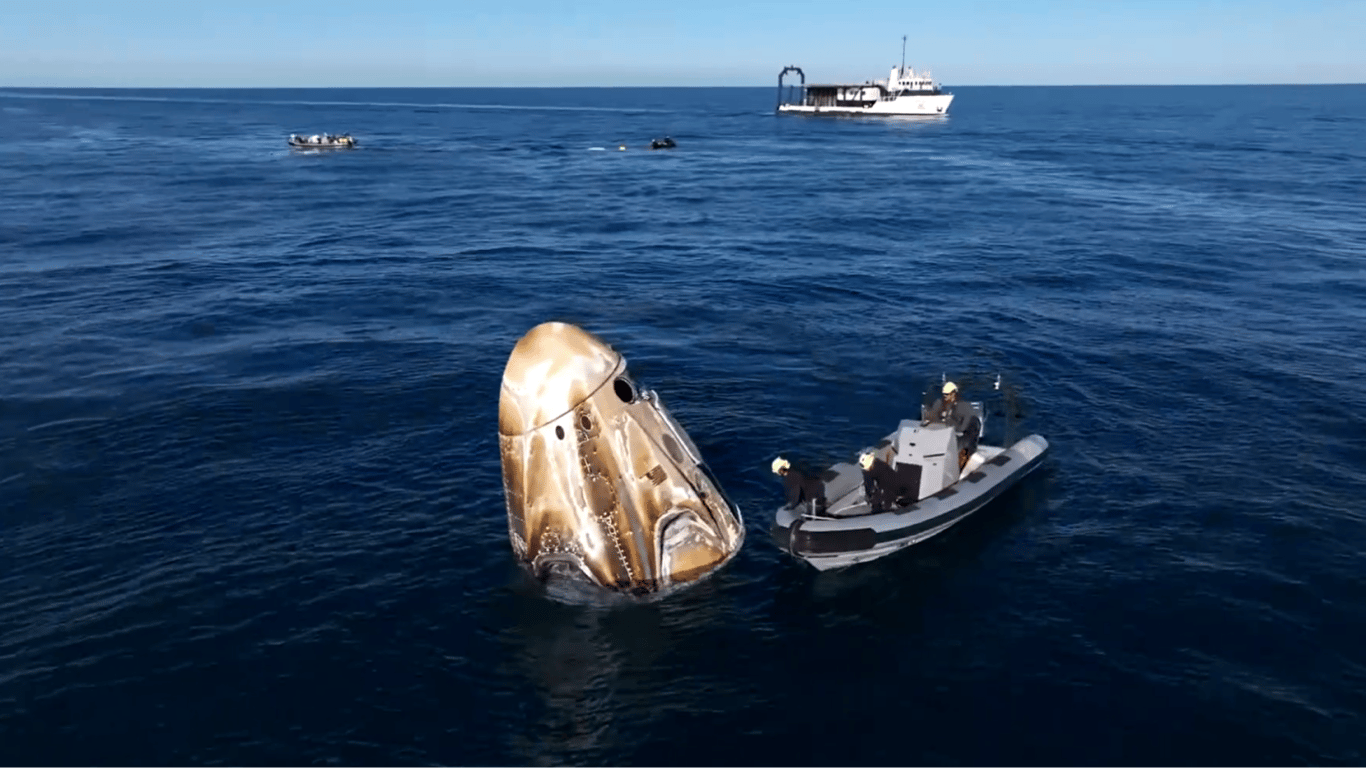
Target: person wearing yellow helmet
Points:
(948, 409)
(798, 486)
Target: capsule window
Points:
(671, 447)
(624, 390)
(585, 422)
(559, 431)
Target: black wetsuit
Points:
(963, 420)
(884, 488)
(801, 488)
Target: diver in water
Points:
(948, 409)
(664, 143)
(799, 487)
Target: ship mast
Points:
(903, 55)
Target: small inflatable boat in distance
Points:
(323, 141)
(937, 495)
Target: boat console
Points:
(932, 450)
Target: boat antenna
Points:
(903, 54)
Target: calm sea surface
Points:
(250, 501)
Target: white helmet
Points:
(866, 460)
(950, 388)
(780, 464)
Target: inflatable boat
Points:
(321, 141)
(931, 494)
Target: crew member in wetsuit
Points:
(881, 486)
(798, 486)
(959, 415)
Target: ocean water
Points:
(250, 500)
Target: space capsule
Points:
(601, 482)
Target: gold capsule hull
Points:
(600, 480)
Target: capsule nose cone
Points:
(553, 368)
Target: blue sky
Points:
(148, 43)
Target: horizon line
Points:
(608, 87)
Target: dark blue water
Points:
(250, 502)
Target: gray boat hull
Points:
(850, 533)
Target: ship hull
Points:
(935, 104)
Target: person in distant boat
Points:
(948, 409)
(799, 487)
